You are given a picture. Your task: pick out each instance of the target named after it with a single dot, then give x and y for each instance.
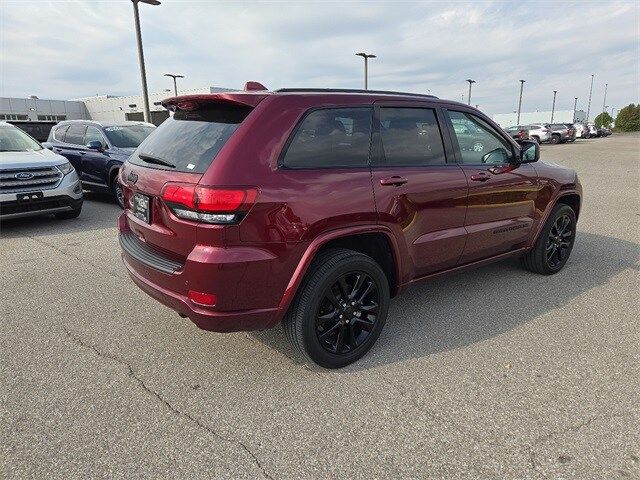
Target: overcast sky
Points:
(70, 49)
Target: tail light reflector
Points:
(207, 204)
(201, 298)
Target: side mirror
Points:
(95, 145)
(47, 145)
(529, 151)
(497, 156)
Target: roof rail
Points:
(351, 90)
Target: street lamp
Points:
(471, 82)
(366, 57)
(143, 74)
(605, 97)
(575, 106)
(553, 107)
(175, 85)
(520, 101)
(589, 105)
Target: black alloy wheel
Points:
(347, 313)
(559, 241)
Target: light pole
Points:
(575, 106)
(605, 97)
(553, 107)
(520, 101)
(471, 82)
(143, 74)
(366, 57)
(589, 105)
(175, 85)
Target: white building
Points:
(527, 118)
(34, 109)
(112, 108)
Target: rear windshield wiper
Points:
(156, 160)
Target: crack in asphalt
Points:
(71, 255)
(535, 464)
(131, 373)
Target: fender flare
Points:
(551, 205)
(317, 244)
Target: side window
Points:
(334, 137)
(59, 133)
(94, 135)
(75, 134)
(411, 137)
(479, 143)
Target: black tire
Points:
(68, 215)
(553, 247)
(536, 138)
(321, 291)
(116, 190)
(555, 139)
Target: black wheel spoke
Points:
(347, 313)
(357, 285)
(329, 331)
(339, 339)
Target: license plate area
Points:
(142, 207)
(29, 197)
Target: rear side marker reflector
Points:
(201, 298)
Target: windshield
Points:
(127, 136)
(15, 140)
(189, 140)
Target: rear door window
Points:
(58, 134)
(331, 138)
(410, 137)
(75, 135)
(189, 141)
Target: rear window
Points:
(127, 136)
(189, 141)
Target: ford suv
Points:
(315, 207)
(33, 180)
(97, 150)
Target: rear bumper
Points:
(205, 319)
(242, 278)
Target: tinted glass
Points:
(15, 140)
(558, 126)
(336, 137)
(127, 136)
(93, 135)
(189, 141)
(411, 136)
(75, 134)
(59, 133)
(479, 143)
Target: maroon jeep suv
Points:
(313, 207)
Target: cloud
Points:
(79, 48)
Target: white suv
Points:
(540, 132)
(34, 180)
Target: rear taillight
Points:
(208, 204)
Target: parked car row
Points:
(555, 133)
(79, 154)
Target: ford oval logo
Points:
(24, 176)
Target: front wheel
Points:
(555, 139)
(553, 247)
(340, 308)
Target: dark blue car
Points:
(98, 149)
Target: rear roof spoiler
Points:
(192, 102)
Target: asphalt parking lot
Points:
(494, 373)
